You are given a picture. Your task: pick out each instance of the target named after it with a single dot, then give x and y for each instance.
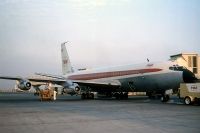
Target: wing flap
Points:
(98, 84)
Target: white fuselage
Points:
(143, 77)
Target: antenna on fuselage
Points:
(147, 60)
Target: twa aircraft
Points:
(114, 81)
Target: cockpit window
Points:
(177, 68)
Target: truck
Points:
(190, 92)
(47, 94)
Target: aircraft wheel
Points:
(125, 95)
(87, 96)
(167, 98)
(164, 98)
(187, 100)
(83, 96)
(117, 96)
(121, 96)
(91, 95)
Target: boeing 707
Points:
(114, 81)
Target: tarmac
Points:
(23, 112)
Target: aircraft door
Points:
(131, 85)
(138, 84)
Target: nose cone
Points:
(188, 76)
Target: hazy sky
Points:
(100, 32)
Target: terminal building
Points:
(189, 60)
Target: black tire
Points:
(91, 96)
(187, 101)
(117, 96)
(125, 96)
(121, 96)
(83, 96)
(167, 98)
(164, 98)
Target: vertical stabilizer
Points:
(66, 64)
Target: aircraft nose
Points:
(188, 76)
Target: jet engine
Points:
(24, 85)
(71, 88)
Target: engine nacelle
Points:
(71, 88)
(24, 85)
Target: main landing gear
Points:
(87, 96)
(121, 95)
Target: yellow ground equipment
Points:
(47, 94)
(190, 92)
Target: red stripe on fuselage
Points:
(100, 75)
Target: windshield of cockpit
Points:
(177, 68)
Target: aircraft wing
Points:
(92, 84)
(10, 77)
(51, 76)
(52, 80)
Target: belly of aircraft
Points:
(152, 82)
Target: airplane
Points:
(114, 81)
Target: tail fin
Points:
(66, 64)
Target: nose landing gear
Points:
(164, 98)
